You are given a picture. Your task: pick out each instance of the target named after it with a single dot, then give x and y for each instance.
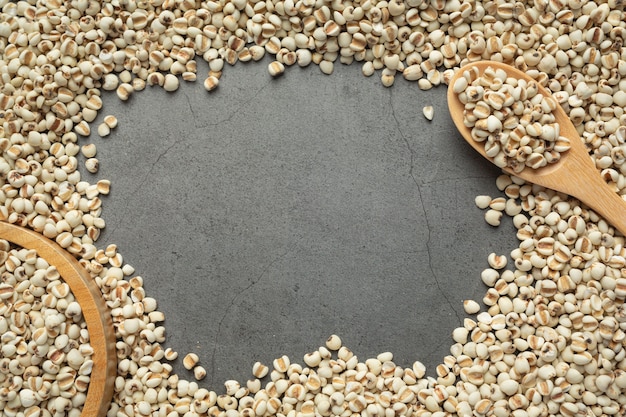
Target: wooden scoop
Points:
(574, 174)
(95, 313)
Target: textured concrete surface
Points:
(271, 213)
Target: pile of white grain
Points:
(552, 339)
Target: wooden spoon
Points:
(574, 174)
(95, 313)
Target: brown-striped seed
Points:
(190, 360)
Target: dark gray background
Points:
(271, 213)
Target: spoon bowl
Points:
(574, 173)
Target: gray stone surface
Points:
(271, 213)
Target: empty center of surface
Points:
(269, 214)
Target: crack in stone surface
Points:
(191, 109)
(430, 258)
(144, 180)
(423, 207)
(198, 121)
(239, 294)
(154, 164)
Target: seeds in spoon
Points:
(513, 120)
(45, 355)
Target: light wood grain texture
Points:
(95, 313)
(574, 174)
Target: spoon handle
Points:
(594, 192)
